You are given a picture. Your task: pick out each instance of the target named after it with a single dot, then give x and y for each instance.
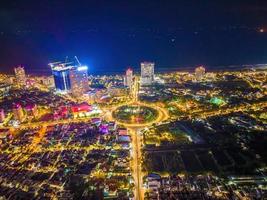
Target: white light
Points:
(81, 68)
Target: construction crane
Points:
(66, 63)
(61, 64)
(53, 63)
(77, 60)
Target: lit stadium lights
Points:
(81, 68)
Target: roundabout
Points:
(132, 114)
(138, 115)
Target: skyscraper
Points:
(79, 80)
(147, 73)
(61, 73)
(20, 76)
(199, 72)
(4, 90)
(128, 79)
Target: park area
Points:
(135, 114)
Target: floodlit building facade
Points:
(79, 80)
(4, 90)
(70, 78)
(147, 73)
(128, 79)
(61, 74)
(20, 76)
(200, 72)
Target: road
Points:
(134, 129)
(162, 115)
(136, 163)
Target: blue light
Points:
(82, 68)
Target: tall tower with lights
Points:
(61, 74)
(70, 78)
(79, 80)
(199, 72)
(128, 79)
(20, 76)
(147, 73)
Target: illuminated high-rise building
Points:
(147, 73)
(18, 112)
(4, 90)
(128, 79)
(20, 76)
(199, 72)
(2, 115)
(79, 80)
(61, 73)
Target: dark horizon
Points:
(110, 36)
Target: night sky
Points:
(113, 34)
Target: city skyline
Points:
(131, 135)
(133, 100)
